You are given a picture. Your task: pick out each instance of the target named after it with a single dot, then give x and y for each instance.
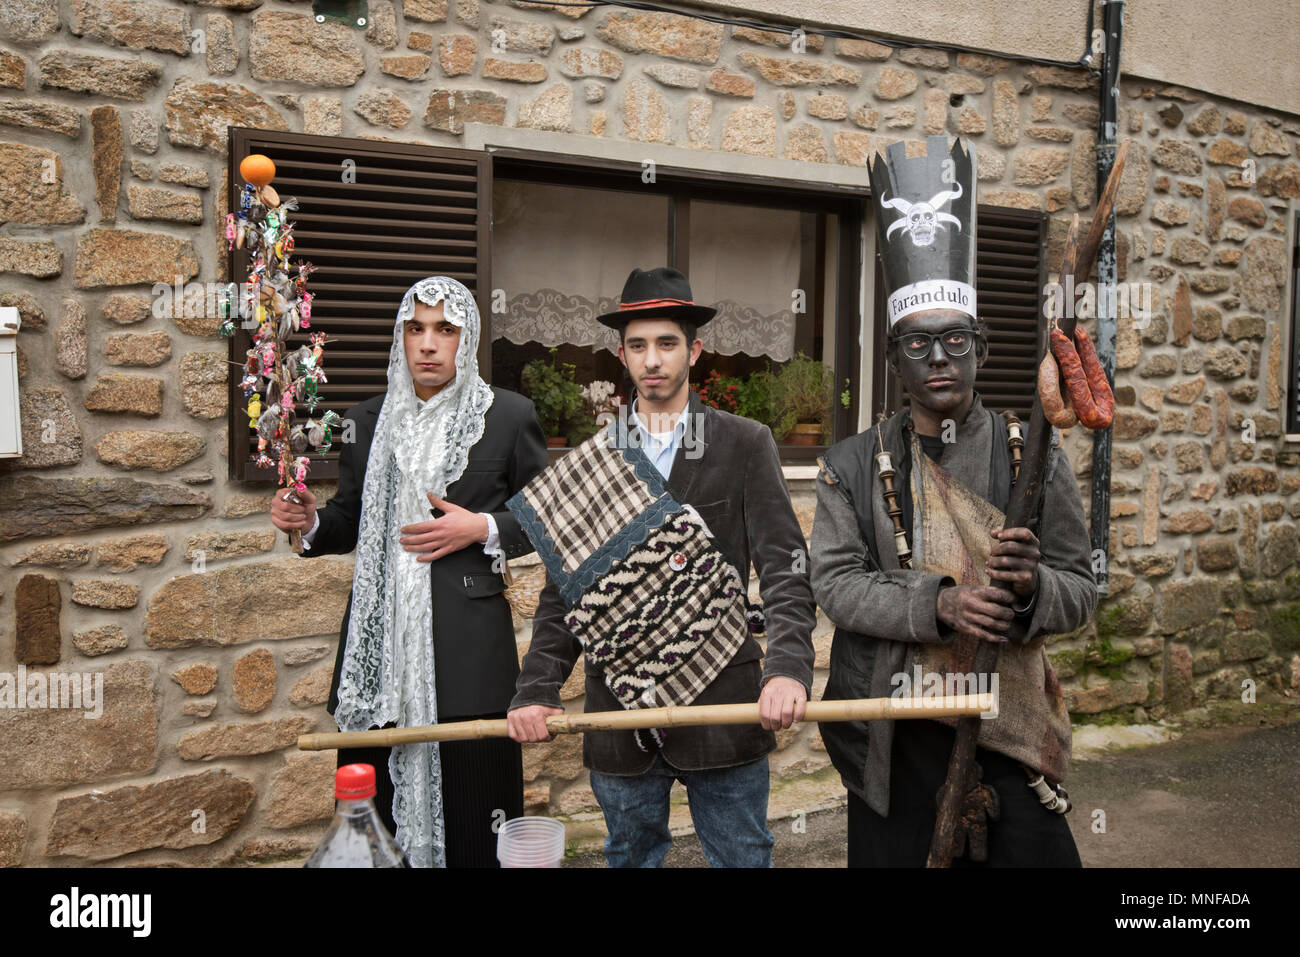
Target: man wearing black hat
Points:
(647, 531)
(913, 593)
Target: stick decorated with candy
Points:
(277, 305)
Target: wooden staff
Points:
(1021, 508)
(860, 709)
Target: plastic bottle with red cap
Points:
(356, 837)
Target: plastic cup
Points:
(531, 842)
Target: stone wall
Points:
(1203, 590)
(126, 553)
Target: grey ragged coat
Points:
(882, 610)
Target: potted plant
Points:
(754, 398)
(801, 401)
(599, 404)
(750, 397)
(719, 391)
(556, 396)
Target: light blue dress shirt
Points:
(661, 448)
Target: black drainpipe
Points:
(1107, 275)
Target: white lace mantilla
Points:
(388, 666)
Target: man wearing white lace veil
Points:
(428, 635)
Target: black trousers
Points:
(1026, 834)
(480, 780)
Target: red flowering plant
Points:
(719, 391)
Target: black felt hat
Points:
(657, 293)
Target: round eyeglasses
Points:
(918, 345)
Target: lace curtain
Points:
(561, 255)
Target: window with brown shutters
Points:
(1009, 276)
(373, 218)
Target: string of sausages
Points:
(1072, 385)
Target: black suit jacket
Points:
(475, 661)
(738, 488)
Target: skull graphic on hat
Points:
(920, 220)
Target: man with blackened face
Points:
(912, 563)
(936, 355)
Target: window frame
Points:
(847, 202)
(241, 141)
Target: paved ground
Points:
(1216, 797)
(1222, 793)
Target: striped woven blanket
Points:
(658, 609)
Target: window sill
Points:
(799, 472)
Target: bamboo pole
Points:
(860, 709)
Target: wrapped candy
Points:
(313, 398)
(269, 422)
(304, 270)
(315, 433)
(266, 353)
(328, 423)
(300, 467)
(305, 360)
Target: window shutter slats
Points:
(1008, 283)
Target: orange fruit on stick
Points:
(257, 169)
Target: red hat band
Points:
(652, 303)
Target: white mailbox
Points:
(11, 430)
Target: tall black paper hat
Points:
(925, 219)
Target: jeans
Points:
(728, 807)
